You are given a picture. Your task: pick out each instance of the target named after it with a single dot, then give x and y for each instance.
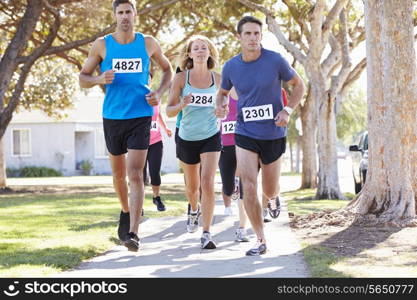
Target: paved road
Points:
(167, 250)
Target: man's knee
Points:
(135, 175)
(207, 185)
(193, 192)
(119, 175)
(249, 186)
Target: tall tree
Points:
(391, 185)
(44, 42)
(320, 27)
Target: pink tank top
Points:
(229, 123)
(155, 129)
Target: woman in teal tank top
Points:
(193, 92)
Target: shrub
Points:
(86, 167)
(32, 171)
(10, 172)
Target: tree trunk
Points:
(308, 143)
(291, 157)
(2, 166)
(328, 185)
(298, 155)
(390, 189)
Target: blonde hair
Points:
(187, 63)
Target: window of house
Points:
(100, 149)
(21, 142)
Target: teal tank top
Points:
(125, 96)
(199, 120)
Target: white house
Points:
(34, 139)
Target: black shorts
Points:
(268, 150)
(121, 135)
(189, 151)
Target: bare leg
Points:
(192, 184)
(248, 168)
(135, 164)
(242, 214)
(118, 166)
(155, 190)
(227, 200)
(270, 177)
(266, 173)
(209, 162)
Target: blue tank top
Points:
(125, 97)
(199, 120)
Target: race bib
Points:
(257, 113)
(206, 100)
(228, 127)
(127, 65)
(154, 126)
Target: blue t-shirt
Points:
(125, 96)
(258, 86)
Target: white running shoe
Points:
(192, 221)
(228, 211)
(241, 235)
(207, 242)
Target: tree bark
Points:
(328, 177)
(308, 143)
(3, 176)
(390, 189)
(298, 155)
(8, 63)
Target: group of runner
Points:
(246, 97)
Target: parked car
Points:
(359, 153)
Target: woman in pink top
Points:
(154, 157)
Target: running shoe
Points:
(124, 225)
(274, 207)
(132, 242)
(207, 242)
(228, 211)
(265, 215)
(258, 249)
(241, 235)
(159, 204)
(192, 221)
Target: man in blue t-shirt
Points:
(124, 59)
(261, 125)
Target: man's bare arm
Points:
(95, 56)
(297, 92)
(283, 117)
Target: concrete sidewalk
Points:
(167, 250)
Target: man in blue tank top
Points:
(124, 58)
(260, 131)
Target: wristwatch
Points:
(288, 109)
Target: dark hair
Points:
(116, 3)
(247, 19)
